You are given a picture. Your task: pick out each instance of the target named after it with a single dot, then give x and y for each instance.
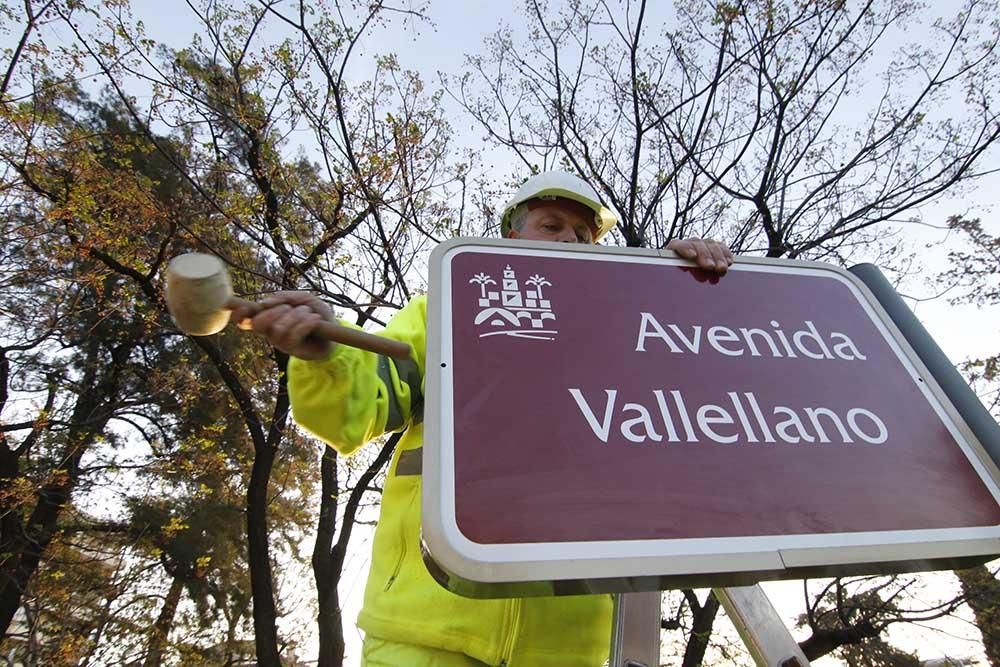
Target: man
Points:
(348, 396)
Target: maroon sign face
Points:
(598, 399)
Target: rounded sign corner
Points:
(453, 552)
(442, 249)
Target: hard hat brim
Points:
(563, 185)
(600, 223)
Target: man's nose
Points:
(566, 236)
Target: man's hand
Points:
(709, 255)
(287, 320)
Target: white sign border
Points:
(768, 556)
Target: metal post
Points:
(635, 628)
(952, 383)
(635, 631)
(617, 630)
(762, 630)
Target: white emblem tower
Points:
(511, 293)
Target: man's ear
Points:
(513, 234)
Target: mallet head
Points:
(198, 288)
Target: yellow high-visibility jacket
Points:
(354, 396)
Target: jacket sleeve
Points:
(354, 395)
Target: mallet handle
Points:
(340, 334)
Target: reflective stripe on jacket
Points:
(354, 396)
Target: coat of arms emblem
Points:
(512, 311)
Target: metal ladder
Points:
(635, 631)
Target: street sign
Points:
(613, 419)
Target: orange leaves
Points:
(17, 495)
(110, 206)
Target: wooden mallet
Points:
(200, 298)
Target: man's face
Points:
(559, 220)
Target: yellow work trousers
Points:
(379, 653)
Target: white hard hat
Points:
(550, 184)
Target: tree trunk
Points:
(164, 623)
(90, 416)
(11, 530)
(701, 628)
(982, 592)
(331, 627)
(823, 642)
(328, 557)
(331, 624)
(264, 611)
